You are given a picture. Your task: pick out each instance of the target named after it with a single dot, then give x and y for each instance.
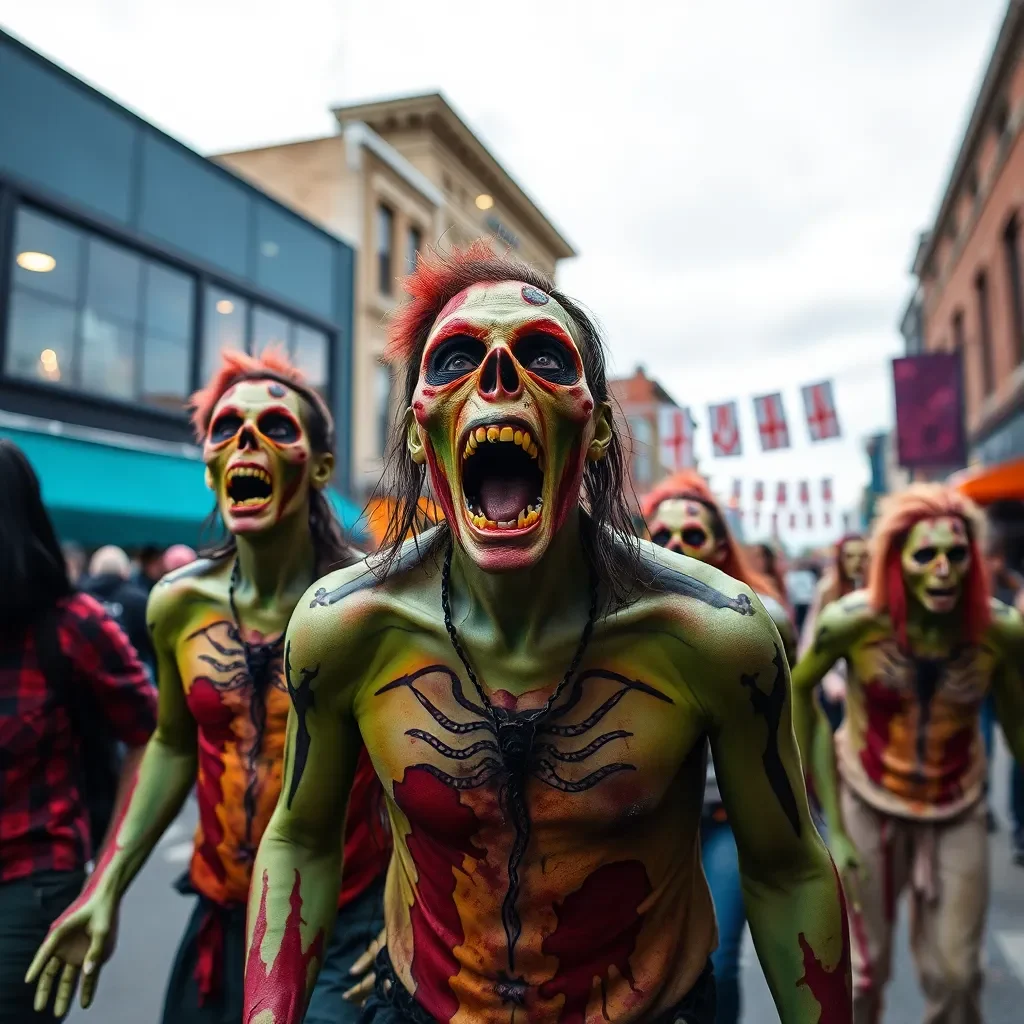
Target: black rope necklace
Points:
(258, 657)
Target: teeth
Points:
(506, 435)
(260, 474)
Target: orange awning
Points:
(986, 484)
(379, 510)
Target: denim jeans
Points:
(722, 868)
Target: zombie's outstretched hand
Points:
(791, 889)
(83, 936)
(294, 895)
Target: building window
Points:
(269, 330)
(224, 327)
(383, 407)
(385, 241)
(984, 332)
(1011, 246)
(643, 438)
(414, 244)
(310, 355)
(88, 314)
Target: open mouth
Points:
(249, 487)
(502, 477)
(940, 592)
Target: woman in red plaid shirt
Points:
(53, 642)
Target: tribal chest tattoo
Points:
(913, 726)
(241, 723)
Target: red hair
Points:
(845, 584)
(691, 485)
(899, 514)
(270, 364)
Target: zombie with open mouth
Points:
(535, 687)
(683, 515)
(924, 645)
(218, 629)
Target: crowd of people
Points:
(522, 765)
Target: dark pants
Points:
(722, 869)
(356, 925)
(391, 1003)
(27, 909)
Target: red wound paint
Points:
(956, 760)
(282, 988)
(882, 704)
(442, 489)
(214, 719)
(830, 987)
(106, 856)
(568, 495)
(290, 492)
(437, 851)
(598, 926)
(453, 304)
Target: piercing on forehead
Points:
(534, 296)
(276, 390)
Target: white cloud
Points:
(744, 180)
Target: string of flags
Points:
(676, 425)
(781, 514)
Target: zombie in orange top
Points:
(218, 629)
(535, 687)
(924, 645)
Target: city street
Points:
(131, 988)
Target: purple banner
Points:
(929, 410)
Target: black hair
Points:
(31, 561)
(332, 546)
(608, 534)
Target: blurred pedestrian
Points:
(768, 562)
(178, 555)
(151, 567)
(74, 561)
(110, 582)
(1008, 587)
(67, 673)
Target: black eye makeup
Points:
(925, 555)
(224, 427)
(546, 356)
(278, 427)
(454, 358)
(661, 538)
(694, 537)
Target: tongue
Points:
(503, 498)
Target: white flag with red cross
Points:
(780, 494)
(771, 422)
(826, 490)
(675, 438)
(805, 492)
(725, 430)
(820, 408)
(759, 491)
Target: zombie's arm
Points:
(294, 893)
(1008, 682)
(791, 890)
(784, 624)
(81, 936)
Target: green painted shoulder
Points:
(842, 622)
(1006, 630)
(173, 594)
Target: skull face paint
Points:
(687, 526)
(854, 560)
(935, 559)
(504, 419)
(258, 457)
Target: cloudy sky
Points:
(744, 181)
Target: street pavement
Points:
(153, 918)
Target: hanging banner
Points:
(775, 524)
(725, 430)
(805, 492)
(810, 520)
(771, 422)
(929, 410)
(827, 518)
(792, 520)
(737, 491)
(675, 438)
(758, 491)
(780, 494)
(820, 409)
(826, 490)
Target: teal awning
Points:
(101, 493)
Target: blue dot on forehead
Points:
(276, 390)
(534, 296)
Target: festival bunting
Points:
(771, 422)
(675, 438)
(826, 490)
(725, 430)
(820, 409)
(737, 491)
(805, 492)
(827, 518)
(792, 520)
(758, 491)
(780, 494)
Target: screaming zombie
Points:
(218, 631)
(535, 688)
(924, 645)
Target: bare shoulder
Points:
(173, 597)
(1006, 629)
(845, 620)
(721, 621)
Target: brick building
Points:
(970, 291)
(638, 401)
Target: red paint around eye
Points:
(281, 989)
